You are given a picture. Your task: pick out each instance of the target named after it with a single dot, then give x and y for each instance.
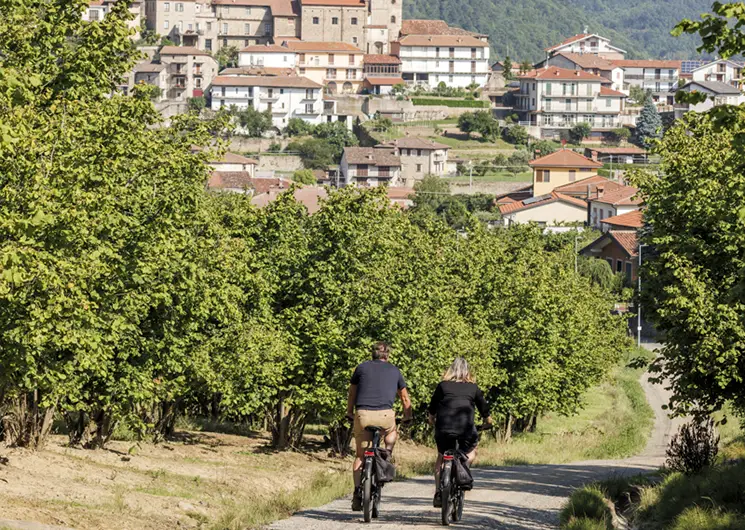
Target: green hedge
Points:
(469, 103)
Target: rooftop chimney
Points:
(601, 191)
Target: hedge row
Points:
(469, 103)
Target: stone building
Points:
(334, 21)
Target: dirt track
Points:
(511, 498)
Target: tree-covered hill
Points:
(523, 29)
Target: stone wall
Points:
(243, 144)
(279, 163)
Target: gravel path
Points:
(511, 498)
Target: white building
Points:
(659, 77)
(718, 94)
(605, 204)
(456, 60)
(722, 71)
(268, 55)
(588, 43)
(553, 99)
(284, 97)
(592, 64)
(551, 209)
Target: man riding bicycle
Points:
(452, 410)
(372, 391)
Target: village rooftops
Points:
(563, 74)
(618, 150)
(259, 71)
(376, 58)
(266, 48)
(383, 81)
(586, 60)
(626, 239)
(181, 50)
(442, 40)
(564, 158)
(580, 187)
(371, 156)
(627, 221)
(340, 3)
(542, 200)
(606, 92)
(647, 63)
(623, 196)
(279, 8)
(715, 87)
(149, 67)
(580, 37)
(304, 46)
(414, 142)
(242, 180)
(265, 81)
(309, 196)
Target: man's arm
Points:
(404, 395)
(483, 407)
(351, 401)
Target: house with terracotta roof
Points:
(266, 55)
(370, 166)
(588, 43)
(335, 65)
(590, 63)
(559, 168)
(283, 97)
(554, 99)
(233, 162)
(244, 182)
(605, 204)
(190, 71)
(586, 188)
(457, 60)
(620, 248)
(381, 73)
(660, 77)
(550, 209)
(419, 157)
(309, 196)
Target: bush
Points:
(693, 448)
(518, 162)
(588, 504)
(579, 132)
(700, 519)
(298, 127)
(304, 176)
(517, 135)
(275, 147)
(477, 104)
(196, 104)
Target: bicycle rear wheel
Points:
(377, 491)
(446, 485)
(458, 511)
(367, 501)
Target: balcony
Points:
(277, 110)
(271, 96)
(179, 85)
(197, 72)
(307, 111)
(651, 77)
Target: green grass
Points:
(473, 143)
(701, 519)
(586, 508)
(494, 177)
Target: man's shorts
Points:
(467, 442)
(385, 419)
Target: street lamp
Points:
(639, 299)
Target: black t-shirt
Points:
(453, 403)
(377, 382)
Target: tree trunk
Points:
(288, 425)
(508, 428)
(25, 423)
(340, 437)
(104, 425)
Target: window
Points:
(209, 26)
(224, 27)
(247, 29)
(546, 175)
(547, 104)
(165, 25)
(331, 73)
(335, 20)
(268, 28)
(302, 71)
(179, 7)
(248, 10)
(572, 175)
(619, 266)
(198, 82)
(315, 20)
(404, 152)
(548, 89)
(167, 7)
(354, 21)
(351, 59)
(450, 78)
(222, 102)
(354, 40)
(331, 58)
(628, 270)
(225, 42)
(309, 108)
(568, 103)
(610, 262)
(94, 15)
(189, 27)
(539, 175)
(418, 152)
(208, 45)
(608, 102)
(222, 91)
(393, 20)
(418, 168)
(351, 74)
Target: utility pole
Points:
(639, 300)
(470, 176)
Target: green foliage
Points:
(543, 148)
(507, 65)
(638, 95)
(524, 29)
(165, 41)
(618, 136)
(481, 122)
(518, 162)
(298, 127)
(694, 278)
(315, 153)
(196, 104)
(304, 176)
(476, 103)
(579, 132)
(517, 135)
(649, 125)
(588, 504)
(398, 89)
(254, 122)
(227, 57)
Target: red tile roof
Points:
(266, 48)
(549, 198)
(265, 81)
(384, 81)
(398, 192)
(579, 187)
(623, 196)
(564, 158)
(279, 8)
(627, 239)
(442, 40)
(241, 180)
(633, 219)
(309, 196)
(554, 72)
(618, 150)
(431, 27)
(651, 63)
(345, 3)
(378, 58)
(578, 37)
(610, 93)
(586, 60)
(259, 70)
(371, 156)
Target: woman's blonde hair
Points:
(459, 372)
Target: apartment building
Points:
(721, 71)
(267, 55)
(189, 70)
(283, 97)
(553, 99)
(592, 64)
(335, 65)
(718, 93)
(150, 73)
(588, 43)
(381, 73)
(456, 60)
(178, 19)
(419, 157)
(334, 21)
(242, 23)
(370, 166)
(659, 77)
(97, 9)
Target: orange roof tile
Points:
(586, 60)
(266, 48)
(279, 8)
(627, 239)
(650, 63)
(442, 40)
(345, 3)
(554, 72)
(579, 187)
(549, 198)
(265, 81)
(431, 27)
(623, 196)
(633, 219)
(575, 38)
(376, 58)
(564, 158)
(607, 92)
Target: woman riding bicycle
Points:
(452, 411)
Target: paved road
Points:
(510, 498)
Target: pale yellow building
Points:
(560, 168)
(335, 65)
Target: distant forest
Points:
(523, 28)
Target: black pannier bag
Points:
(462, 472)
(385, 471)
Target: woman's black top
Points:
(453, 403)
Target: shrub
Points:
(479, 104)
(196, 104)
(298, 127)
(586, 508)
(579, 132)
(517, 134)
(694, 447)
(275, 147)
(700, 519)
(304, 176)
